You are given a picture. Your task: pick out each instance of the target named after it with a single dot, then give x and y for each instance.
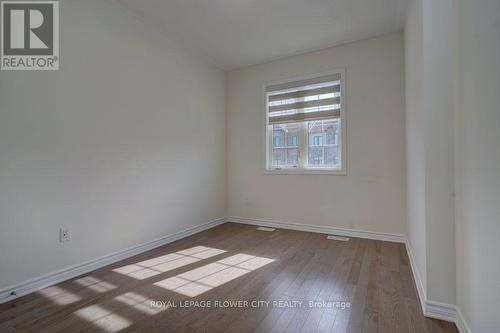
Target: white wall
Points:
(478, 162)
(415, 152)
(372, 195)
(430, 105)
(438, 106)
(124, 144)
(461, 83)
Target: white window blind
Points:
(310, 99)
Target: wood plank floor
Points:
(286, 281)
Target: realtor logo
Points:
(29, 35)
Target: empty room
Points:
(250, 166)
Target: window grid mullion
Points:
(303, 141)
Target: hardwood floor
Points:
(368, 283)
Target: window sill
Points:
(287, 171)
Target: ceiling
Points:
(238, 33)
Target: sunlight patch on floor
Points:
(59, 295)
(139, 302)
(151, 267)
(200, 280)
(95, 284)
(102, 318)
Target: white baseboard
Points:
(461, 323)
(442, 311)
(416, 276)
(319, 229)
(433, 309)
(41, 282)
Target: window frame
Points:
(304, 136)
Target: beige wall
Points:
(124, 144)
(372, 195)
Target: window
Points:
(305, 123)
(336, 136)
(276, 139)
(317, 140)
(285, 149)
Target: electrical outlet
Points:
(64, 235)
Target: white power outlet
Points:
(64, 235)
